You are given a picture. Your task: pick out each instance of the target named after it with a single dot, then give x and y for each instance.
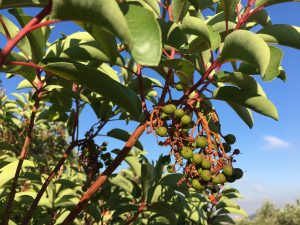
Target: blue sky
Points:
(270, 152)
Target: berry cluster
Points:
(203, 158)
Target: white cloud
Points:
(273, 142)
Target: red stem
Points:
(23, 154)
(13, 42)
(104, 176)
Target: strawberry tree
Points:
(158, 64)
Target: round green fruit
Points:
(164, 116)
(201, 142)
(161, 131)
(179, 113)
(238, 173)
(200, 170)
(170, 168)
(166, 159)
(179, 86)
(206, 175)
(231, 179)
(186, 153)
(230, 139)
(219, 179)
(197, 159)
(169, 109)
(186, 119)
(228, 170)
(205, 164)
(196, 185)
(227, 147)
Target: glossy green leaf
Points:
(222, 219)
(123, 136)
(7, 172)
(22, 3)
(80, 46)
(243, 81)
(147, 177)
(260, 17)
(99, 82)
(36, 37)
(244, 113)
(247, 99)
(179, 9)
(96, 12)
(163, 209)
(247, 46)
(184, 70)
(282, 34)
(226, 210)
(12, 29)
(122, 183)
(106, 41)
(196, 26)
(6, 146)
(145, 34)
(229, 7)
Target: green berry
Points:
(164, 116)
(206, 175)
(231, 179)
(169, 109)
(186, 119)
(201, 142)
(230, 139)
(161, 131)
(170, 168)
(219, 179)
(179, 113)
(166, 159)
(205, 164)
(179, 86)
(197, 159)
(228, 170)
(227, 147)
(200, 170)
(197, 185)
(238, 173)
(186, 152)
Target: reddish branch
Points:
(13, 42)
(104, 176)
(23, 153)
(142, 206)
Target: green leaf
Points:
(36, 37)
(99, 82)
(273, 68)
(247, 99)
(6, 146)
(122, 183)
(81, 46)
(145, 33)
(259, 3)
(96, 12)
(13, 30)
(179, 9)
(196, 26)
(154, 5)
(260, 17)
(247, 46)
(222, 219)
(107, 42)
(163, 209)
(229, 8)
(22, 3)
(225, 202)
(184, 70)
(123, 136)
(147, 177)
(282, 34)
(244, 113)
(226, 210)
(8, 172)
(134, 163)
